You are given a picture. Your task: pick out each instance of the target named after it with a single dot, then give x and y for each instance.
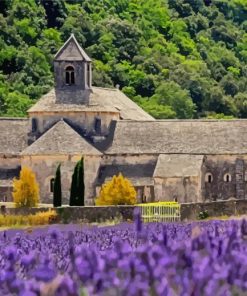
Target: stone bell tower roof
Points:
(71, 50)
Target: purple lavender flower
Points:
(137, 219)
(128, 259)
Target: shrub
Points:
(42, 218)
(26, 189)
(118, 191)
(57, 192)
(203, 215)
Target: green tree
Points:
(229, 85)
(57, 190)
(77, 185)
(17, 104)
(241, 103)
(171, 94)
(80, 183)
(73, 188)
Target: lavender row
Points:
(204, 258)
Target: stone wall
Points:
(10, 162)
(96, 214)
(189, 212)
(75, 93)
(9, 168)
(83, 122)
(6, 191)
(181, 189)
(80, 214)
(219, 166)
(44, 168)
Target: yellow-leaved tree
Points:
(26, 189)
(117, 191)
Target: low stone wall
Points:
(21, 211)
(189, 212)
(87, 214)
(95, 214)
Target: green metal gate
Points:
(160, 212)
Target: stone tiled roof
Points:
(101, 100)
(71, 51)
(180, 136)
(137, 181)
(13, 135)
(142, 171)
(178, 165)
(61, 139)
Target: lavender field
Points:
(200, 258)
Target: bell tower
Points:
(73, 74)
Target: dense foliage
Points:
(117, 191)
(26, 189)
(183, 58)
(207, 258)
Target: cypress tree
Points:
(57, 190)
(80, 183)
(73, 188)
(77, 185)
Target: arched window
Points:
(52, 185)
(208, 178)
(227, 178)
(69, 75)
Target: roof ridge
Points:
(80, 49)
(186, 120)
(108, 88)
(14, 118)
(80, 140)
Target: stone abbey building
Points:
(183, 160)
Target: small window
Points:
(52, 185)
(69, 75)
(227, 178)
(208, 178)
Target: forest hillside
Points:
(175, 58)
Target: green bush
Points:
(203, 215)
